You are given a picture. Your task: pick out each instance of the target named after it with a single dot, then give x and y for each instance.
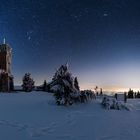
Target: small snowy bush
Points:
(112, 103)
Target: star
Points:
(29, 37)
(105, 14)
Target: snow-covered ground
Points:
(34, 116)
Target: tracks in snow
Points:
(31, 130)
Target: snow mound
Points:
(112, 103)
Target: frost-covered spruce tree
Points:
(63, 86)
(28, 82)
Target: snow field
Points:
(35, 116)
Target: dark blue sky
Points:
(99, 38)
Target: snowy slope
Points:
(34, 116)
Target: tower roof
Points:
(4, 48)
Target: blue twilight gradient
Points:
(99, 38)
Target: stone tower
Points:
(6, 79)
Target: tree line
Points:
(132, 94)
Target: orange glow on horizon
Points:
(110, 88)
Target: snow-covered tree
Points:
(96, 90)
(63, 85)
(101, 92)
(28, 82)
(76, 84)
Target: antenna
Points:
(4, 41)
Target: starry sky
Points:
(100, 39)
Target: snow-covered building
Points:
(6, 78)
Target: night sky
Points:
(100, 39)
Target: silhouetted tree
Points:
(76, 84)
(138, 94)
(130, 93)
(45, 86)
(101, 91)
(135, 94)
(125, 97)
(28, 82)
(11, 83)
